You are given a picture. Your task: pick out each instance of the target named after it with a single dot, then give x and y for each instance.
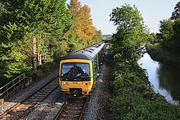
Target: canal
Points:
(164, 79)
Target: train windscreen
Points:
(75, 72)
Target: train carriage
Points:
(78, 71)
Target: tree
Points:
(130, 31)
(85, 29)
(176, 13)
(42, 22)
(2, 9)
(169, 34)
(176, 26)
(83, 25)
(166, 30)
(176, 37)
(74, 7)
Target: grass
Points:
(133, 98)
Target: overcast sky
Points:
(152, 12)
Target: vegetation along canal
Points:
(164, 79)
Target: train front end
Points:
(75, 77)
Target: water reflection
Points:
(164, 79)
(170, 80)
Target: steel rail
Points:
(26, 99)
(66, 105)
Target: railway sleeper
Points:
(75, 108)
(72, 116)
(73, 111)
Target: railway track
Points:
(22, 109)
(72, 109)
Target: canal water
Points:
(164, 79)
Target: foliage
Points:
(167, 51)
(151, 39)
(34, 32)
(166, 30)
(83, 26)
(2, 9)
(176, 13)
(127, 18)
(46, 20)
(43, 70)
(165, 56)
(170, 31)
(130, 31)
(133, 97)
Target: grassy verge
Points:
(133, 98)
(157, 52)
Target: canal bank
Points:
(164, 78)
(163, 55)
(133, 97)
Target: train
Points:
(79, 70)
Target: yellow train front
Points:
(78, 71)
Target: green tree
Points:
(127, 74)
(130, 31)
(2, 9)
(176, 37)
(166, 30)
(45, 22)
(176, 13)
(169, 34)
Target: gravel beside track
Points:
(23, 109)
(24, 93)
(48, 109)
(97, 106)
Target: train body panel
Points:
(74, 83)
(77, 71)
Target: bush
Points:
(163, 55)
(42, 71)
(133, 98)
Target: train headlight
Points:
(65, 83)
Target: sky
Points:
(152, 11)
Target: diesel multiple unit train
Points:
(78, 71)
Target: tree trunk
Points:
(34, 65)
(39, 59)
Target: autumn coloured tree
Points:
(83, 25)
(74, 7)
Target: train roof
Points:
(87, 53)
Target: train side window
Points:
(95, 68)
(95, 65)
